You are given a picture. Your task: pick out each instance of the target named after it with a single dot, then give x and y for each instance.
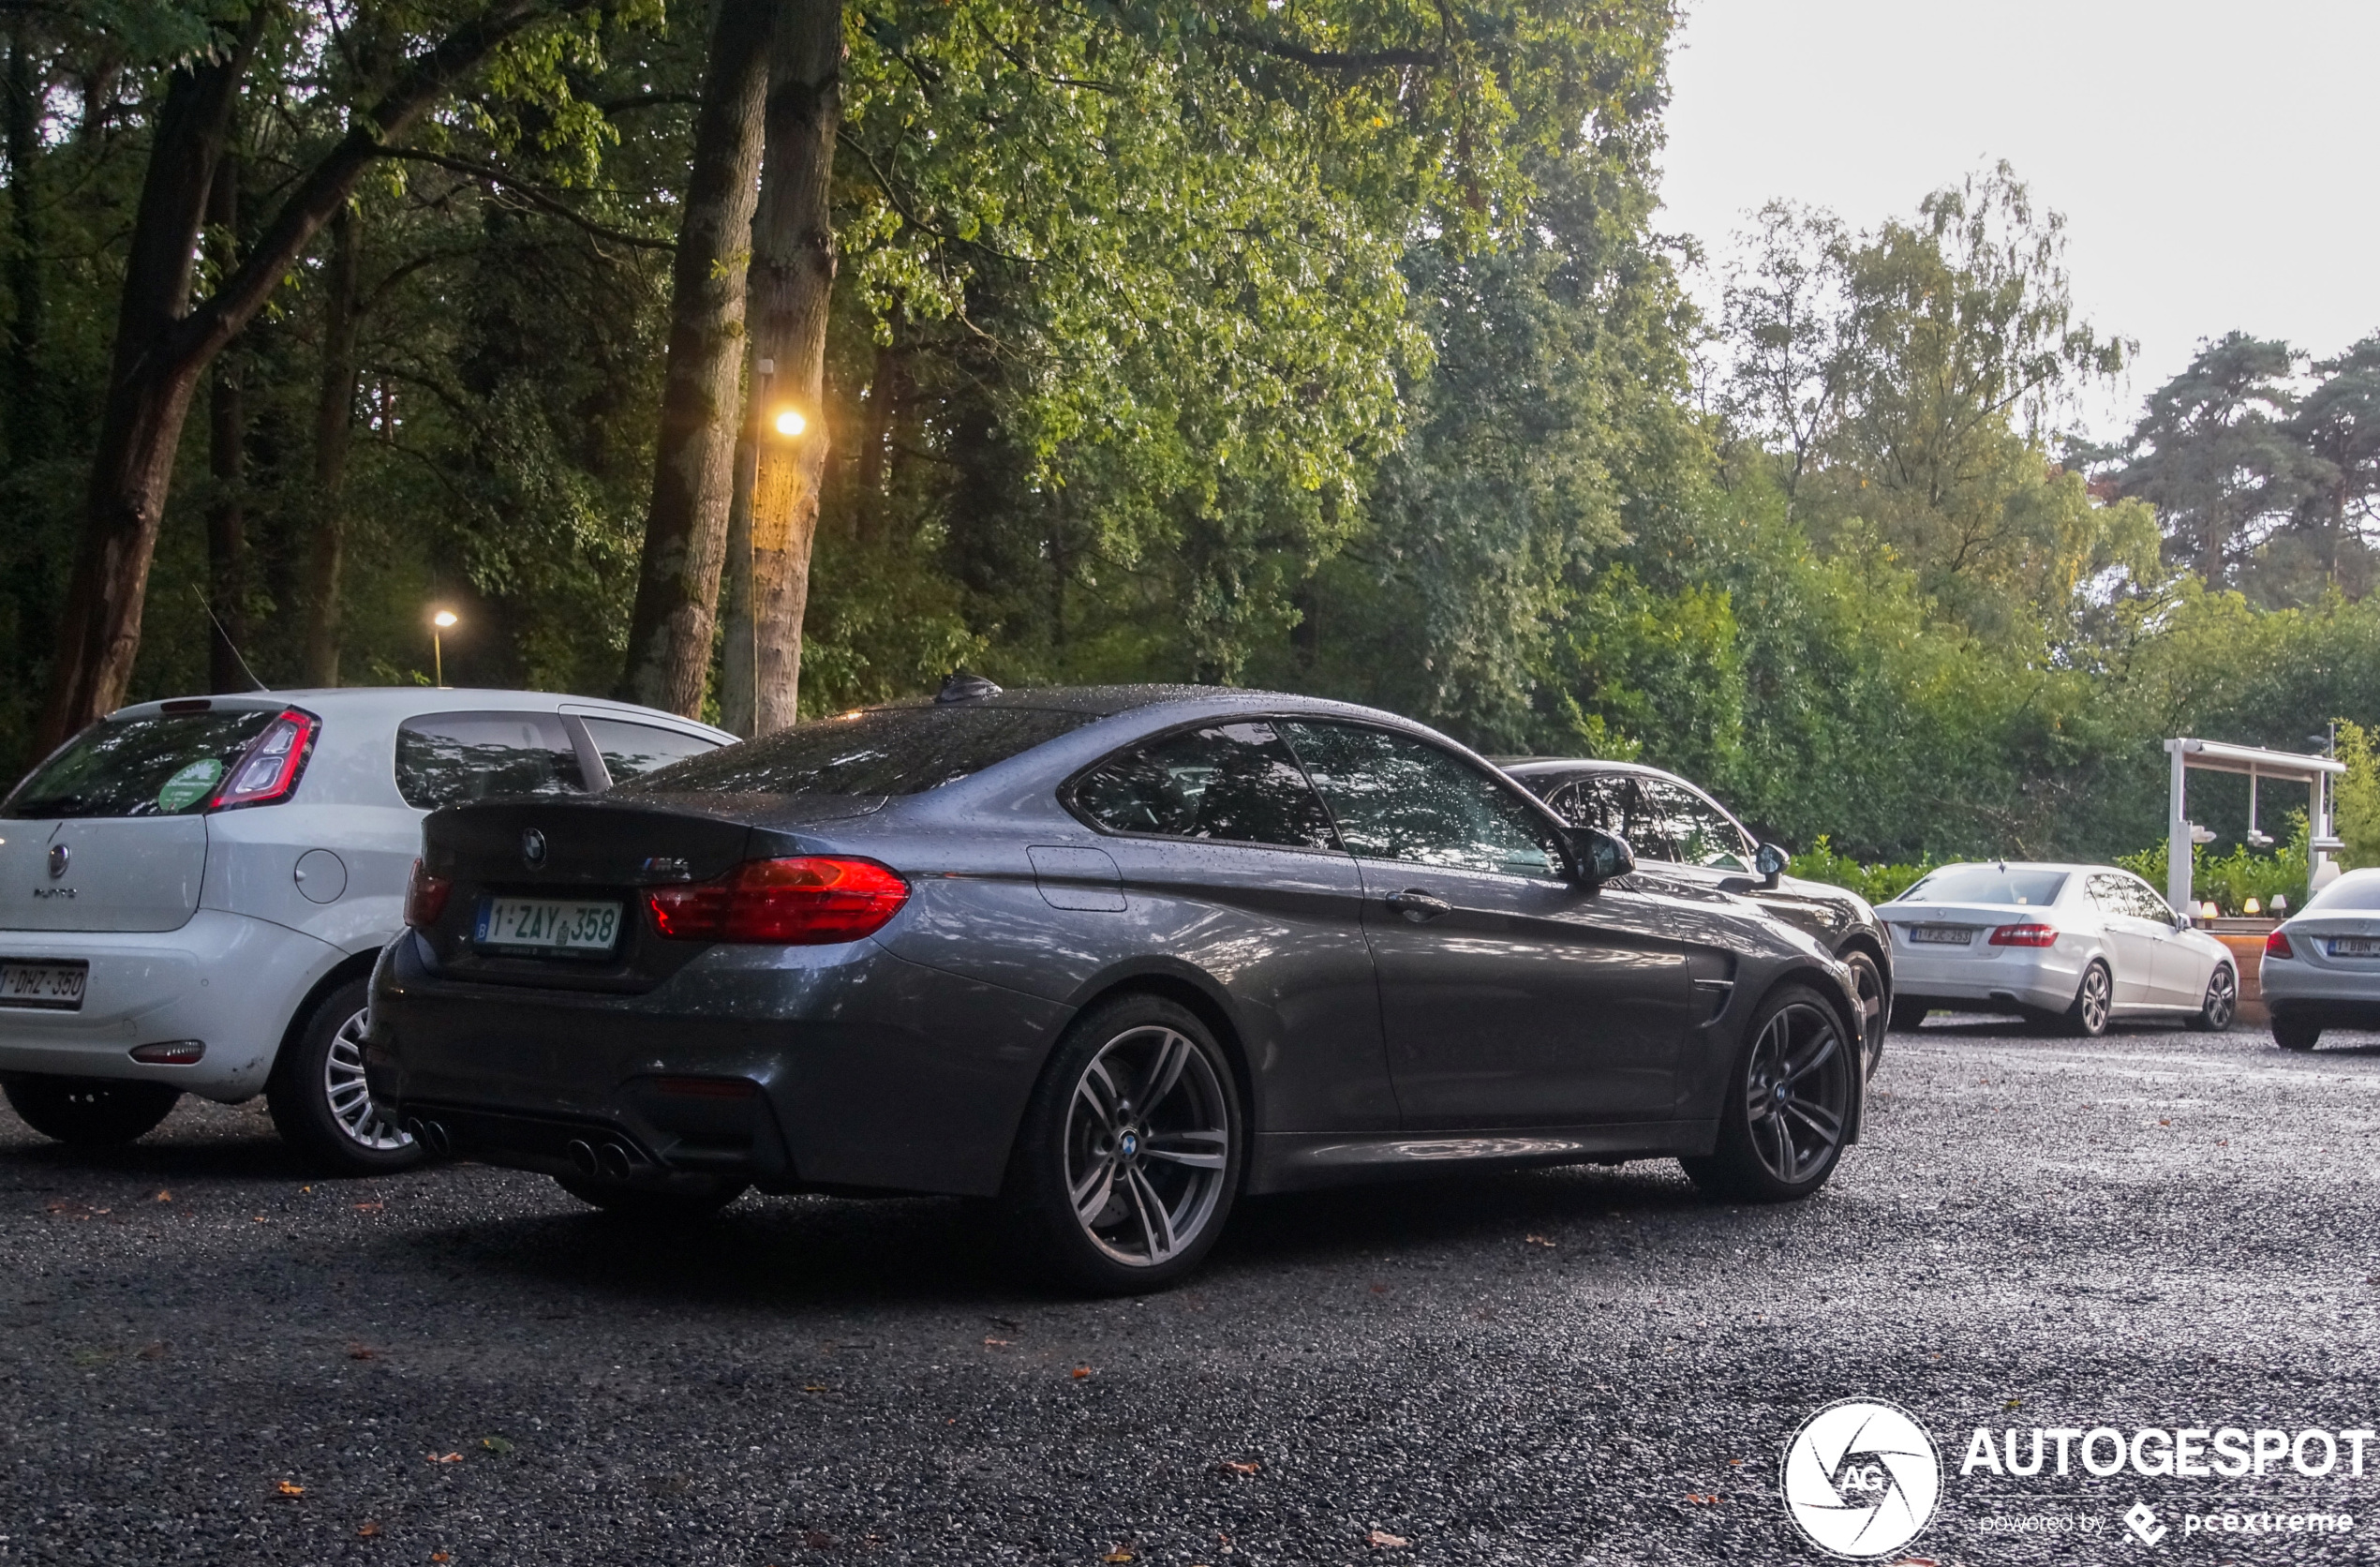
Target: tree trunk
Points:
(334, 426)
(226, 444)
(669, 636)
(739, 655)
(793, 280)
(162, 347)
(28, 433)
(888, 387)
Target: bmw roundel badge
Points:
(532, 848)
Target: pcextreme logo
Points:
(1860, 1479)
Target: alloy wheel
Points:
(350, 1097)
(2098, 993)
(2223, 997)
(1797, 1091)
(1148, 1145)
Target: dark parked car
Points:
(1116, 956)
(1679, 832)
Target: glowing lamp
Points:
(2251, 907)
(790, 422)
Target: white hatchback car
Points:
(2088, 943)
(2322, 966)
(192, 892)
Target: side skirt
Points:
(1302, 1161)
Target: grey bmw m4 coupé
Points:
(1116, 956)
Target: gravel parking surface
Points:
(205, 1356)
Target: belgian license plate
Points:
(55, 985)
(1943, 935)
(546, 925)
(2355, 946)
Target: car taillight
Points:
(267, 772)
(807, 901)
(2025, 935)
(426, 898)
(2277, 945)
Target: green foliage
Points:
(2230, 880)
(1876, 881)
(2355, 799)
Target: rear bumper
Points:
(2298, 984)
(224, 979)
(2044, 978)
(824, 1066)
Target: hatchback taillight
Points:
(267, 772)
(811, 900)
(426, 898)
(2025, 935)
(2277, 945)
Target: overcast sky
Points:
(2215, 163)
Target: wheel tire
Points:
(1907, 1015)
(1875, 1005)
(682, 1204)
(1795, 1071)
(318, 1097)
(2094, 1003)
(1129, 1111)
(2288, 1033)
(91, 1113)
(2221, 1003)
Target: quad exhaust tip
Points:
(582, 1156)
(430, 1135)
(615, 1161)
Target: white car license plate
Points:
(55, 985)
(1943, 935)
(2355, 946)
(546, 925)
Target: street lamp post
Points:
(440, 621)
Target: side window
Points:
(1398, 798)
(629, 749)
(1698, 832)
(1591, 799)
(2146, 903)
(445, 758)
(1235, 782)
(2107, 895)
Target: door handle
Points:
(1417, 906)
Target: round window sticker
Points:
(190, 785)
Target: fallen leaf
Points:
(1699, 1500)
(1381, 1540)
(162, 1196)
(1239, 1465)
(998, 1343)
(438, 1556)
(2165, 1123)
(288, 1489)
(1119, 1554)
(443, 1457)
(1536, 1240)
(1080, 1372)
(153, 1351)
(496, 1444)
(369, 1207)
(258, 1219)
(813, 1387)
(306, 1188)
(2013, 1404)
(1737, 1462)
(368, 1530)
(817, 1539)
(361, 1351)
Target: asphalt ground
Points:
(206, 1356)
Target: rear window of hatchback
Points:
(163, 764)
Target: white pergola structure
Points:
(2314, 773)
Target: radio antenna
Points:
(227, 640)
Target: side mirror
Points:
(1771, 861)
(1601, 856)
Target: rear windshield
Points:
(1987, 884)
(882, 750)
(140, 767)
(2347, 892)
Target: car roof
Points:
(1111, 701)
(1578, 764)
(389, 704)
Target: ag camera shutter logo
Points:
(1860, 1479)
